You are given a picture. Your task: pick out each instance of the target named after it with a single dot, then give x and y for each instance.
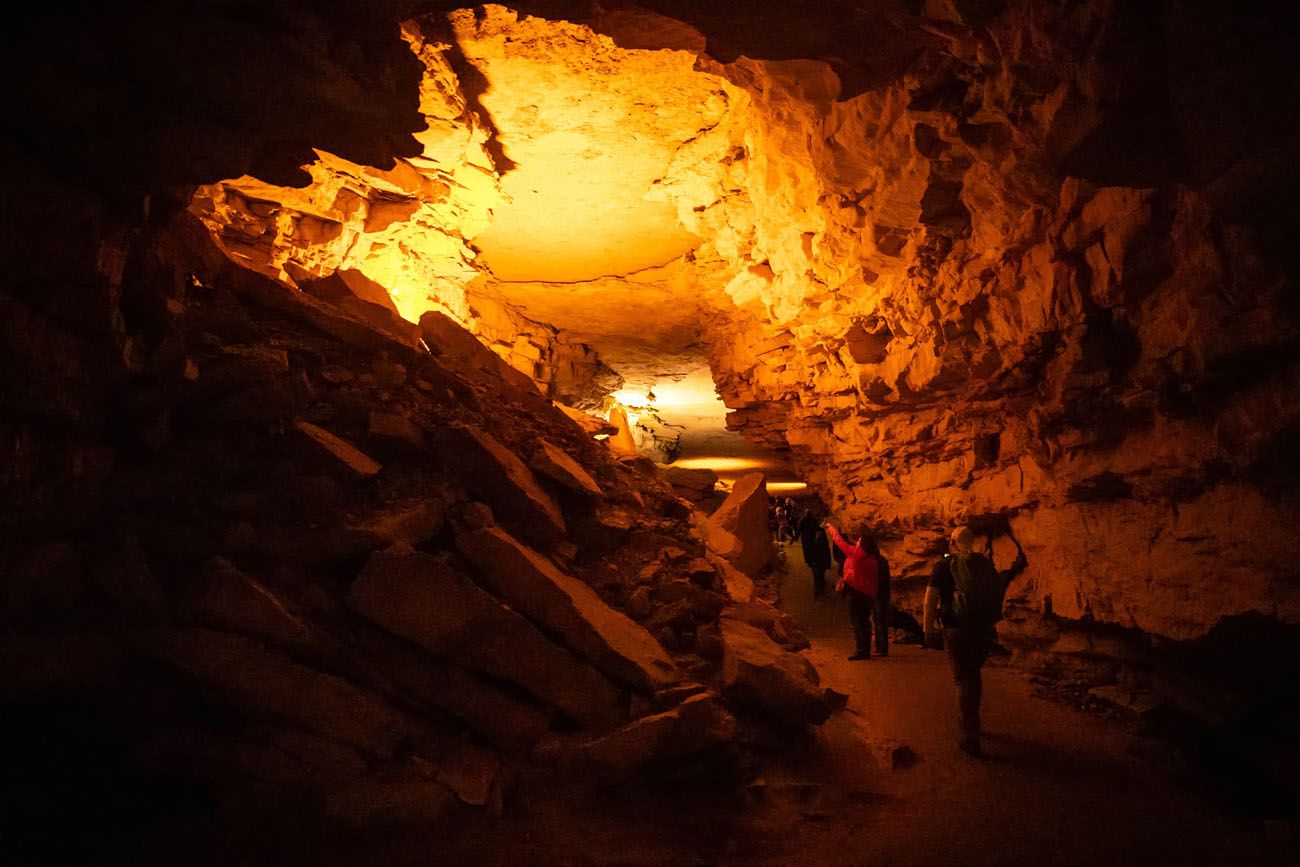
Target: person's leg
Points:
(819, 580)
(964, 657)
(860, 614)
(881, 612)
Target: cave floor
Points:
(1057, 787)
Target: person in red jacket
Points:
(859, 584)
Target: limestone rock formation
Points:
(1025, 266)
(428, 602)
(307, 618)
(565, 606)
(758, 673)
(497, 474)
(737, 531)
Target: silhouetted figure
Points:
(966, 593)
(816, 551)
(858, 584)
(880, 609)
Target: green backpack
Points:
(978, 590)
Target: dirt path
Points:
(1057, 786)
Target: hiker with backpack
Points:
(966, 593)
(859, 584)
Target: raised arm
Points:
(839, 540)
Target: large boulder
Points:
(495, 473)
(694, 484)
(426, 600)
(556, 464)
(760, 674)
(738, 586)
(738, 531)
(566, 607)
(505, 720)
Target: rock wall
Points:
(399, 237)
(1001, 269)
(949, 312)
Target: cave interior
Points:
(393, 396)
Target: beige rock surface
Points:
(742, 517)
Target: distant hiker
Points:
(880, 610)
(816, 551)
(858, 584)
(966, 593)
(782, 523)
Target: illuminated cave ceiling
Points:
(543, 213)
(941, 293)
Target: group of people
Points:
(863, 573)
(963, 603)
(782, 519)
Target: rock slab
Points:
(495, 473)
(563, 605)
(248, 677)
(742, 516)
(697, 724)
(340, 449)
(556, 464)
(426, 600)
(758, 673)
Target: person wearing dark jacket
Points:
(858, 583)
(880, 609)
(965, 595)
(816, 551)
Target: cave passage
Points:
(395, 399)
(562, 178)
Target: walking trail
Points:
(1056, 787)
